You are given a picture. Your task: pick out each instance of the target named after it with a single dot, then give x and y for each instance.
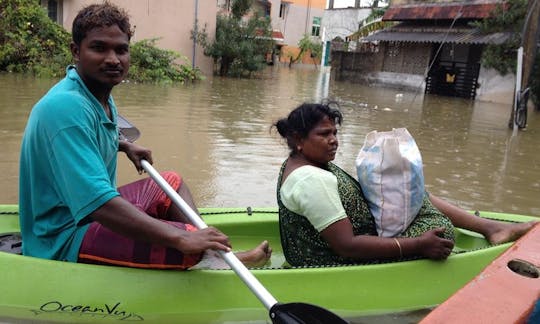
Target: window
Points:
(283, 10)
(316, 27)
(52, 10)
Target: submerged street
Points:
(216, 133)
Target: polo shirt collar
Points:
(72, 74)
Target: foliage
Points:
(150, 64)
(241, 45)
(307, 45)
(504, 19)
(372, 23)
(30, 41)
(503, 57)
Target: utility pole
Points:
(525, 61)
(196, 25)
(530, 39)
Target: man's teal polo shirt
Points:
(67, 168)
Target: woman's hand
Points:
(136, 153)
(433, 246)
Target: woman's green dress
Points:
(303, 245)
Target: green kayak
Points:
(37, 290)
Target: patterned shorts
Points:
(103, 246)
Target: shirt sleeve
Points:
(79, 171)
(313, 193)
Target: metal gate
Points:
(453, 79)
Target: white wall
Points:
(342, 22)
(169, 20)
(495, 87)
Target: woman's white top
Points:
(313, 192)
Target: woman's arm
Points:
(341, 238)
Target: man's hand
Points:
(199, 241)
(136, 153)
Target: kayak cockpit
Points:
(11, 243)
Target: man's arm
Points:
(123, 218)
(135, 153)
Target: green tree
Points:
(241, 44)
(504, 19)
(30, 41)
(503, 57)
(372, 23)
(307, 45)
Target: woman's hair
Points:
(304, 118)
(99, 15)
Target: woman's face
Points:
(320, 146)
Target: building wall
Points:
(405, 70)
(406, 2)
(169, 20)
(494, 87)
(342, 22)
(410, 58)
(298, 19)
(368, 67)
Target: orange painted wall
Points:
(321, 4)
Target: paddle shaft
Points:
(239, 268)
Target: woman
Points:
(324, 217)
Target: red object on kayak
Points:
(506, 291)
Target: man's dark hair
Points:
(99, 15)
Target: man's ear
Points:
(75, 51)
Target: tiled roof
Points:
(437, 34)
(277, 36)
(442, 10)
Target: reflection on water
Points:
(217, 134)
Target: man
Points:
(70, 208)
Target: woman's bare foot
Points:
(256, 257)
(507, 232)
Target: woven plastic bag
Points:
(389, 169)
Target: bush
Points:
(152, 64)
(30, 41)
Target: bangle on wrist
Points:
(399, 246)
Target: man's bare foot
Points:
(256, 257)
(507, 232)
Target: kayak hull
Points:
(43, 290)
(506, 291)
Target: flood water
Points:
(216, 133)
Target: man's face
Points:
(102, 58)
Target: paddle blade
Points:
(127, 131)
(301, 313)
